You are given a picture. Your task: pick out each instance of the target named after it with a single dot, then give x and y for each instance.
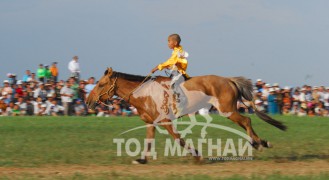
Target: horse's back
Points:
(196, 78)
(205, 83)
(208, 80)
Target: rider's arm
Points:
(170, 62)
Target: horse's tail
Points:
(245, 90)
(244, 87)
(267, 118)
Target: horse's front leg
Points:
(149, 143)
(170, 128)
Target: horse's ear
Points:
(109, 71)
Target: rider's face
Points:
(171, 43)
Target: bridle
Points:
(110, 90)
(113, 86)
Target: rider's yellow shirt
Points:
(175, 60)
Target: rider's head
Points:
(173, 41)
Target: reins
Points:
(128, 95)
(113, 86)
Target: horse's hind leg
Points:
(170, 128)
(245, 123)
(230, 111)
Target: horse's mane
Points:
(138, 78)
(129, 77)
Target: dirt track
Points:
(218, 169)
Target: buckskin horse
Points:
(153, 102)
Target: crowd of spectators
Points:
(42, 94)
(299, 101)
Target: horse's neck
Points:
(125, 88)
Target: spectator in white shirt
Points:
(66, 94)
(295, 97)
(301, 112)
(42, 109)
(326, 99)
(7, 88)
(9, 109)
(40, 92)
(294, 110)
(302, 96)
(321, 93)
(37, 104)
(74, 68)
(54, 109)
(50, 98)
(308, 94)
(265, 93)
(259, 105)
(22, 105)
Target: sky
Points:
(279, 41)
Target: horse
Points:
(153, 102)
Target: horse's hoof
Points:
(255, 145)
(199, 160)
(260, 148)
(269, 145)
(140, 161)
(266, 144)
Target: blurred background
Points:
(278, 41)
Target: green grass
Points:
(36, 141)
(64, 141)
(114, 175)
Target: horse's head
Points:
(104, 89)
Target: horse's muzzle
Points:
(91, 104)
